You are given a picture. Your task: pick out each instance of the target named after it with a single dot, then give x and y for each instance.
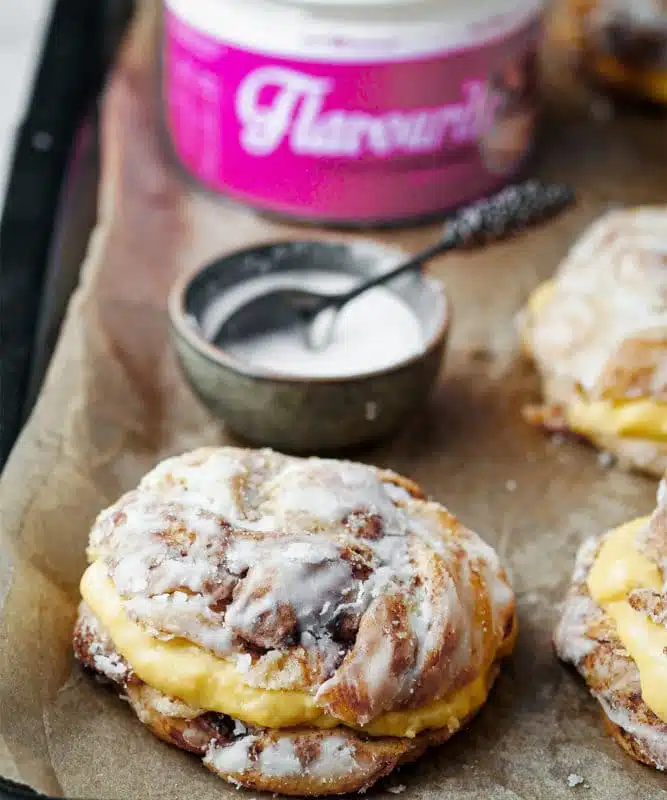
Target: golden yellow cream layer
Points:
(631, 419)
(540, 296)
(181, 669)
(619, 568)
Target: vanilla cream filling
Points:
(619, 568)
(631, 419)
(183, 670)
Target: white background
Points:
(23, 25)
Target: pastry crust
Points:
(598, 331)
(324, 577)
(586, 637)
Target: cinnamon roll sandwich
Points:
(303, 625)
(621, 43)
(614, 631)
(597, 333)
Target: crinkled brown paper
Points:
(114, 404)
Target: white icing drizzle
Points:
(279, 759)
(325, 492)
(662, 493)
(335, 758)
(652, 736)
(105, 659)
(233, 757)
(183, 615)
(156, 701)
(209, 481)
(397, 493)
(303, 576)
(570, 637)
(571, 640)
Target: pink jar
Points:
(366, 112)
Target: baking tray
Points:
(469, 437)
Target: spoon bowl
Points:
(277, 310)
(291, 412)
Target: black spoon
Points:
(507, 212)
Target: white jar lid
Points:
(286, 27)
(454, 10)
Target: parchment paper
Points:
(114, 403)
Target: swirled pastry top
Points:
(320, 576)
(599, 328)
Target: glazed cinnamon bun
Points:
(597, 333)
(303, 625)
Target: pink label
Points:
(347, 141)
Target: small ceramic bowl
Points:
(294, 413)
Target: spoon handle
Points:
(509, 211)
(448, 242)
